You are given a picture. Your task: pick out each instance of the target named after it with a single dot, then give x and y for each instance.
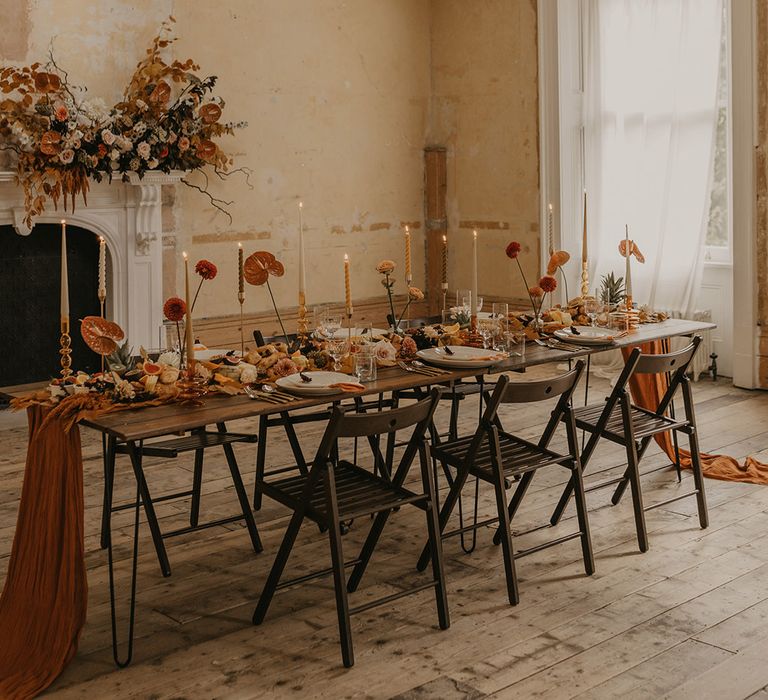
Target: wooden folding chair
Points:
(494, 455)
(337, 490)
(624, 423)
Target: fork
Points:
(419, 370)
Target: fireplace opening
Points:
(30, 283)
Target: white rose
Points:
(143, 149)
(107, 137)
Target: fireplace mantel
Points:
(129, 217)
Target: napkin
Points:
(347, 386)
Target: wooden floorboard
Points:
(688, 619)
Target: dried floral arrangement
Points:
(168, 119)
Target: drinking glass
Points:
(365, 363)
(320, 318)
(515, 343)
(479, 304)
(500, 318)
(592, 306)
(333, 323)
(337, 349)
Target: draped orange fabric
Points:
(43, 604)
(647, 390)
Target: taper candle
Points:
(188, 333)
(302, 271)
(584, 236)
(347, 286)
(444, 278)
(408, 275)
(550, 232)
(474, 309)
(102, 269)
(64, 274)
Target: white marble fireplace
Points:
(128, 216)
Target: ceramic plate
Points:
(587, 335)
(463, 357)
(319, 385)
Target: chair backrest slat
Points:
(383, 422)
(668, 362)
(540, 389)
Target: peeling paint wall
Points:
(336, 93)
(485, 110)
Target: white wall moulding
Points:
(129, 217)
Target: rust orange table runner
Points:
(647, 390)
(43, 604)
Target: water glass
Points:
(515, 343)
(365, 363)
(500, 318)
(333, 322)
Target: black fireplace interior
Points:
(30, 283)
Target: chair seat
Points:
(518, 456)
(358, 491)
(645, 423)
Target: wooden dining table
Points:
(130, 428)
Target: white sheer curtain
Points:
(651, 72)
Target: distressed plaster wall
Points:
(336, 94)
(485, 110)
(341, 98)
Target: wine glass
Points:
(321, 317)
(592, 307)
(479, 304)
(333, 323)
(338, 350)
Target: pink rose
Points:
(183, 143)
(107, 137)
(67, 156)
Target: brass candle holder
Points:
(584, 279)
(301, 323)
(65, 348)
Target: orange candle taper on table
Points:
(408, 275)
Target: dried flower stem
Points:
(280, 320)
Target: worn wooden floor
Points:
(688, 619)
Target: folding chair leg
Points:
(367, 551)
(581, 514)
(562, 504)
(337, 558)
(445, 511)
(261, 459)
(634, 478)
(506, 535)
(698, 478)
(242, 497)
(622, 485)
(277, 568)
(514, 504)
(429, 485)
(197, 484)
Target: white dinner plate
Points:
(464, 357)
(587, 335)
(319, 385)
